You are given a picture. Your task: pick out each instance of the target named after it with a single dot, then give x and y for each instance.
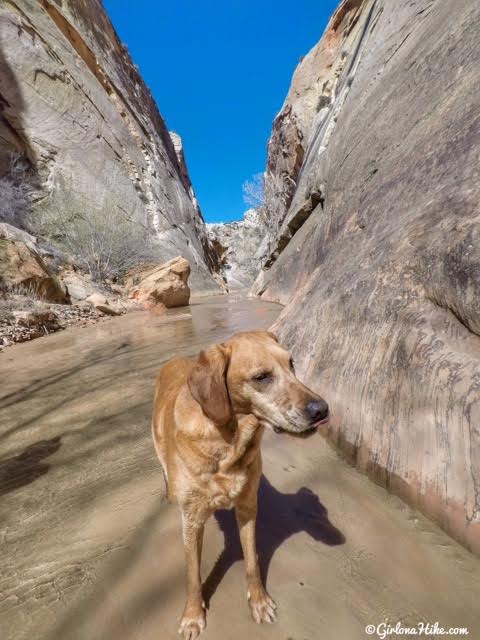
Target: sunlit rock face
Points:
(74, 105)
(165, 285)
(240, 247)
(374, 245)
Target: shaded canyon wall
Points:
(373, 195)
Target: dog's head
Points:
(252, 374)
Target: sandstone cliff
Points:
(75, 109)
(374, 244)
(240, 247)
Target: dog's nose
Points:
(317, 410)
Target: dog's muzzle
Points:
(317, 414)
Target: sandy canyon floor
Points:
(91, 550)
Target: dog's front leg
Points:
(193, 620)
(261, 605)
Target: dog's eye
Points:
(291, 364)
(265, 376)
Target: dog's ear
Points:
(208, 385)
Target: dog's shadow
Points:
(280, 515)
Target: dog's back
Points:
(169, 382)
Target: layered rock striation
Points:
(374, 245)
(74, 108)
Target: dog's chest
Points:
(225, 487)
(230, 465)
(226, 481)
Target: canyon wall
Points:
(240, 247)
(373, 196)
(74, 108)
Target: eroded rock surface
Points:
(376, 251)
(75, 108)
(78, 284)
(166, 284)
(22, 269)
(240, 247)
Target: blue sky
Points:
(219, 71)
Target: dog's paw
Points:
(261, 606)
(192, 624)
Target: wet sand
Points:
(90, 549)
